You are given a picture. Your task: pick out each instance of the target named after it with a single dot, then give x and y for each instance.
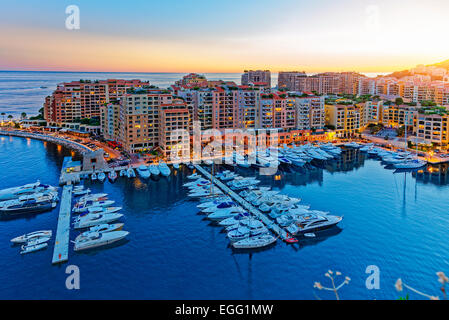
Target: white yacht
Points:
(101, 177)
(93, 219)
(101, 228)
(130, 173)
(97, 239)
(33, 248)
(255, 242)
(234, 219)
(32, 235)
(112, 175)
(84, 205)
(410, 164)
(164, 169)
(225, 213)
(143, 172)
(154, 169)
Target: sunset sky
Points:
(224, 36)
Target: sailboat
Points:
(410, 163)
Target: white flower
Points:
(318, 285)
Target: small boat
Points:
(102, 228)
(176, 165)
(194, 176)
(123, 173)
(225, 213)
(164, 169)
(84, 205)
(235, 219)
(255, 242)
(94, 197)
(33, 248)
(28, 189)
(97, 239)
(130, 173)
(223, 205)
(36, 241)
(36, 234)
(112, 176)
(93, 177)
(101, 177)
(410, 164)
(143, 172)
(154, 169)
(40, 204)
(215, 202)
(80, 192)
(93, 219)
(100, 210)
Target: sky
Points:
(224, 36)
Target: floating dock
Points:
(251, 209)
(61, 250)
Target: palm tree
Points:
(24, 115)
(3, 115)
(10, 117)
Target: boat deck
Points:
(61, 250)
(273, 226)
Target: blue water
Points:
(397, 221)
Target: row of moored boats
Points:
(245, 230)
(96, 219)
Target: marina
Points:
(161, 205)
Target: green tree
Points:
(23, 115)
(399, 101)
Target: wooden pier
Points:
(61, 250)
(273, 226)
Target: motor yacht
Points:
(97, 239)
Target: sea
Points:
(395, 225)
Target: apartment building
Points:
(370, 112)
(277, 110)
(310, 112)
(110, 121)
(290, 79)
(397, 116)
(344, 118)
(174, 122)
(257, 77)
(432, 127)
(139, 119)
(72, 101)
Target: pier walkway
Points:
(61, 250)
(251, 209)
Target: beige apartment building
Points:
(345, 119)
(432, 128)
(397, 116)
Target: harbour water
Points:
(396, 221)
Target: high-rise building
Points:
(257, 77)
